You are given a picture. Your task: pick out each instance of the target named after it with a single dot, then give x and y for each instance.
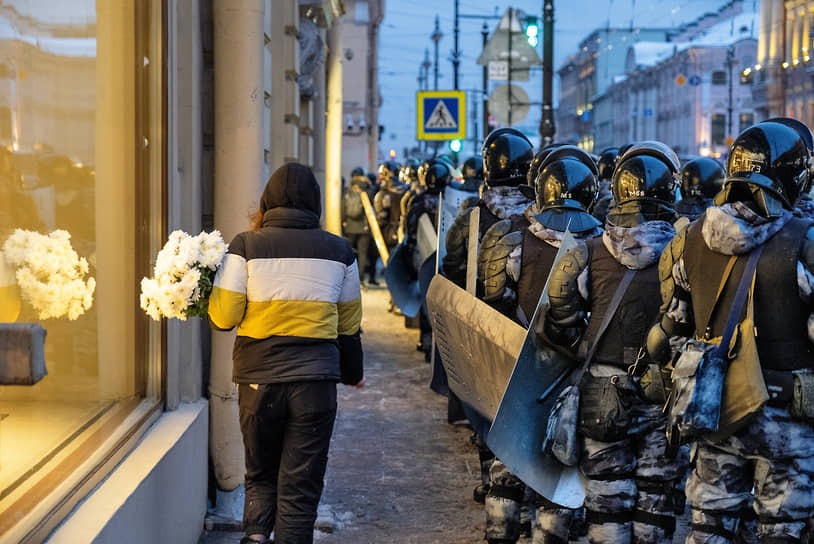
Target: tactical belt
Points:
(600, 518)
(664, 521)
(505, 492)
(780, 384)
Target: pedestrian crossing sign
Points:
(441, 115)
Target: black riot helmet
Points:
(437, 176)
(776, 152)
(643, 187)
(409, 171)
(808, 138)
(566, 189)
(358, 172)
(570, 152)
(606, 163)
(497, 132)
(506, 159)
(656, 149)
(701, 180)
(388, 173)
(539, 157)
(472, 168)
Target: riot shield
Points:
(370, 213)
(518, 429)
(401, 281)
(478, 345)
(449, 210)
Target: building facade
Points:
(784, 71)
(121, 121)
(588, 73)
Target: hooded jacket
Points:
(290, 288)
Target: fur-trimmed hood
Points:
(550, 236)
(505, 202)
(640, 246)
(734, 228)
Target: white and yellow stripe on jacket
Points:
(304, 297)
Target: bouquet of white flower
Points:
(49, 273)
(184, 270)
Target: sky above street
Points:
(407, 25)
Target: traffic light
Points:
(532, 30)
(455, 145)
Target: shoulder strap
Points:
(612, 307)
(737, 305)
(724, 278)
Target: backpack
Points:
(353, 205)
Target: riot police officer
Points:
(411, 173)
(760, 479)
(630, 479)
(507, 154)
(472, 174)
(516, 257)
(701, 180)
(605, 166)
(565, 189)
(388, 202)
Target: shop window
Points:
(719, 77)
(84, 155)
(745, 121)
(718, 129)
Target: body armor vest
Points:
(780, 316)
(637, 312)
(538, 258)
(487, 218)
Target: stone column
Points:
(238, 29)
(333, 131)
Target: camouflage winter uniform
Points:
(629, 494)
(757, 484)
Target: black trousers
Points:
(286, 430)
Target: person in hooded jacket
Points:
(292, 291)
(757, 483)
(629, 476)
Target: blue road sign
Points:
(695, 80)
(441, 115)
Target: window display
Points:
(80, 213)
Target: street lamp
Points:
(436, 37)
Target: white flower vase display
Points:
(184, 271)
(49, 273)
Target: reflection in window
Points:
(56, 137)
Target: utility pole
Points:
(436, 37)
(484, 32)
(509, 86)
(547, 119)
(456, 59)
(730, 60)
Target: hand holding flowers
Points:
(184, 270)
